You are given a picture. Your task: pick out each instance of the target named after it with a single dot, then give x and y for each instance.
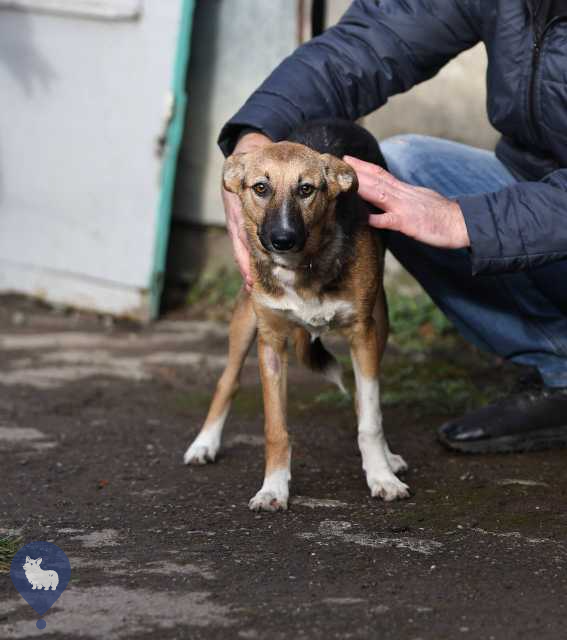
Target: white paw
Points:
(268, 501)
(397, 463)
(200, 453)
(388, 488)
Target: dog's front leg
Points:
(380, 476)
(241, 336)
(273, 496)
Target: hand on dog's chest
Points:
(314, 314)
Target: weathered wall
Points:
(234, 47)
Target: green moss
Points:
(214, 292)
(431, 369)
(415, 321)
(248, 403)
(192, 401)
(9, 545)
(435, 386)
(333, 398)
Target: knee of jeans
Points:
(402, 153)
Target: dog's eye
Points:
(260, 188)
(305, 190)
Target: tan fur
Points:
(283, 163)
(242, 333)
(360, 283)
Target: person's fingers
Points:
(235, 225)
(366, 177)
(369, 171)
(242, 254)
(242, 258)
(381, 195)
(369, 167)
(379, 187)
(372, 170)
(243, 237)
(386, 220)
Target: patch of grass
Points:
(434, 396)
(193, 401)
(433, 387)
(9, 545)
(214, 293)
(333, 398)
(415, 322)
(248, 403)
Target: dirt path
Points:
(93, 424)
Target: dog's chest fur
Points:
(315, 314)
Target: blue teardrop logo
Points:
(40, 572)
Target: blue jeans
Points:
(519, 316)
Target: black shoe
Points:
(532, 419)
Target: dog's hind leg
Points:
(312, 353)
(274, 493)
(241, 336)
(366, 350)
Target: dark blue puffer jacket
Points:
(384, 47)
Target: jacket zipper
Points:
(536, 56)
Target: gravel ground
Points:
(94, 419)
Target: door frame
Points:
(173, 136)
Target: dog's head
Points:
(31, 563)
(287, 192)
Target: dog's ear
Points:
(28, 559)
(38, 561)
(233, 172)
(339, 175)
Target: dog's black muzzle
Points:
(283, 229)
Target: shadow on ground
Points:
(94, 419)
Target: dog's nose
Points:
(283, 239)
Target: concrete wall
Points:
(451, 105)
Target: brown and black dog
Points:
(316, 265)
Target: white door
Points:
(86, 87)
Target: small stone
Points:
(18, 319)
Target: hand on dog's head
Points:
(286, 190)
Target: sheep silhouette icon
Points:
(40, 586)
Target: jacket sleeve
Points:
(378, 49)
(521, 227)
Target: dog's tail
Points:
(314, 356)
